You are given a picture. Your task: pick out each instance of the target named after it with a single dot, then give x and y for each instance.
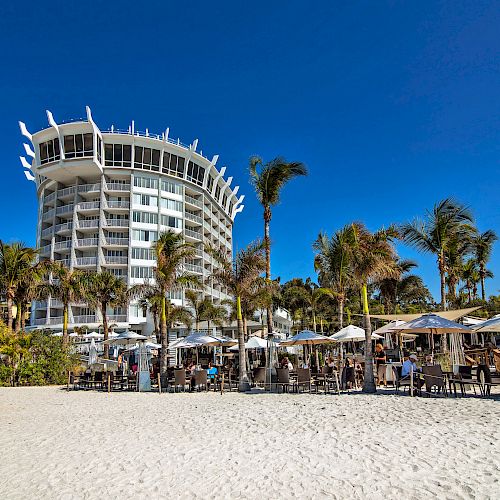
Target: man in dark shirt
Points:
(380, 360)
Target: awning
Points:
(451, 315)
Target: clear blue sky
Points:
(392, 105)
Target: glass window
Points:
(166, 162)
(143, 254)
(79, 143)
(88, 141)
(145, 217)
(127, 155)
(168, 220)
(69, 146)
(142, 272)
(117, 153)
(217, 192)
(145, 182)
(144, 235)
(171, 204)
(108, 154)
(171, 187)
(210, 184)
(44, 152)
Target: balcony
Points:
(40, 321)
(117, 205)
(117, 186)
(56, 303)
(62, 245)
(65, 209)
(63, 262)
(193, 268)
(89, 188)
(66, 192)
(118, 242)
(193, 218)
(49, 215)
(116, 222)
(88, 205)
(118, 318)
(116, 259)
(49, 198)
(87, 242)
(193, 234)
(193, 201)
(44, 250)
(47, 232)
(86, 261)
(84, 319)
(86, 224)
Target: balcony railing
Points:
(116, 241)
(65, 209)
(49, 214)
(193, 201)
(88, 205)
(47, 232)
(86, 261)
(62, 245)
(119, 318)
(64, 262)
(67, 226)
(116, 222)
(117, 186)
(88, 223)
(87, 242)
(69, 191)
(84, 319)
(194, 218)
(116, 259)
(49, 198)
(88, 188)
(193, 268)
(40, 321)
(193, 234)
(117, 204)
(44, 250)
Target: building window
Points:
(99, 149)
(173, 165)
(224, 200)
(147, 158)
(217, 192)
(168, 220)
(143, 254)
(145, 200)
(195, 173)
(118, 155)
(210, 184)
(78, 145)
(144, 235)
(49, 151)
(171, 187)
(171, 204)
(142, 272)
(145, 182)
(145, 217)
(231, 205)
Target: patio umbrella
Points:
(126, 338)
(74, 334)
(490, 325)
(351, 333)
(93, 335)
(306, 337)
(92, 353)
(252, 343)
(57, 334)
(390, 327)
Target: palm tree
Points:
(268, 182)
(238, 277)
(332, 264)
(16, 261)
(482, 246)
(447, 221)
(171, 252)
(103, 290)
(470, 276)
(198, 304)
(67, 286)
(215, 313)
(373, 258)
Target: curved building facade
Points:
(103, 198)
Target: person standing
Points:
(380, 362)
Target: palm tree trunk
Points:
(314, 321)
(104, 311)
(341, 311)
(244, 384)
(9, 309)
(267, 244)
(369, 382)
(482, 276)
(18, 318)
(156, 326)
(23, 319)
(164, 338)
(65, 324)
(442, 276)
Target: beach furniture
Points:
(400, 381)
(200, 380)
(180, 381)
(305, 380)
(283, 375)
(434, 378)
(485, 380)
(259, 376)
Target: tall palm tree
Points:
(482, 246)
(268, 180)
(332, 264)
(67, 286)
(470, 276)
(373, 258)
(171, 252)
(238, 277)
(214, 313)
(198, 304)
(446, 222)
(16, 261)
(103, 290)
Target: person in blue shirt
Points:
(410, 363)
(211, 372)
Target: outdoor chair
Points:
(348, 376)
(200, 380)
(180, 380)
(485, 380)
(259, 376)
(400, 381)
(434, 377)
(283, 375)
(304, 379)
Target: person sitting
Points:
(286, 363)
(211, 372)
(408, 365)
(330, 362)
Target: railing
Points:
(117, 241)
(88, 223)
(40, 304)
(194, 218)
(193, 234)
(120, 318)
(64, 262)
(89, 318)
(40, 321)
(49, 214)
(56, 303)
(159, 137)
(198, 252)
(66, 191)
(49, 198)
(44, 250)
(47, 232)
(115, 259)
(117, 204)
(65, 209)
(88, 205)
(116, 222)
(87, 188)
(116, 186)
(87, 242)
(61, 245)
(207, 211)
(193, 268)
(86, 261)
(193, 201)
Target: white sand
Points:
(56, 444)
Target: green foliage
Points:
(35, 358)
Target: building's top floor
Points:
(79, 148)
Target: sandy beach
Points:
(58, 444)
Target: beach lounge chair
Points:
(434, 378)
(283, 375)
(200, 380)
(180, 380)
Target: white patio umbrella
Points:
(92, 353)
(252, 343)
(306, 337)
(351, 333)
(490, 325)
(147, 345)
(74, 335)
(57, 334)
(126, 338)
(389, 327)
(93, 335)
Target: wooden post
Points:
(411, 381)
(159, 383)
(69, 380)
(109, 382)
(222, 384)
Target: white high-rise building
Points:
(103, 198)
